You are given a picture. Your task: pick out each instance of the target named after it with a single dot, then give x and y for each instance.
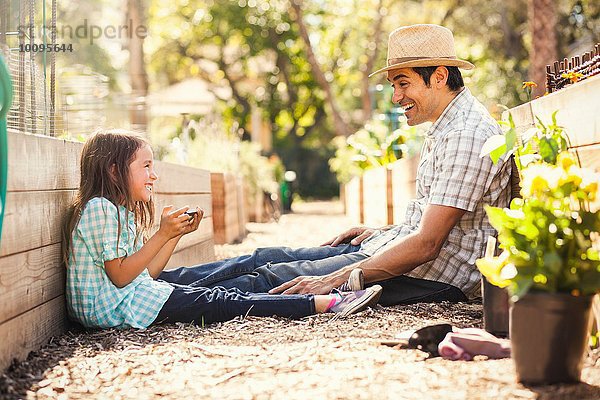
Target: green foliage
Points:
(543, 142)
(207, 146)
(370, 147)
(547, 236)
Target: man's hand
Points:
(354, 236)
(306, 285)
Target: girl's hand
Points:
(174, 223)
(193, 223)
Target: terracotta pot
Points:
(549, 336)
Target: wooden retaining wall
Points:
(381, 195)
(579, 114)
(43, 175)
(229, 208)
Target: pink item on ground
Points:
(464, 344)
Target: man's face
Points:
(420, 103)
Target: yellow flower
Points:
(589, 184)
(572, 175)
(538, 178)
(572, 76)
(493, 269)
(565, 160)
(529, 84)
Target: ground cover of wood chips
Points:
(264, 358)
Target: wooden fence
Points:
(381, 195)
(229, 207)
(578, 108)
(43, 176)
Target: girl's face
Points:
(142, 175)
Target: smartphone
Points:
(192, 212)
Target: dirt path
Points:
(262, 358)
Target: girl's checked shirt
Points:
(92, 298)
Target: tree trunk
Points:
(366, 96)
(542, 24)
(341, 127)
(137, 67)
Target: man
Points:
(431, 256)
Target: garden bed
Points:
(275, 357)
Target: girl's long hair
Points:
(105, 160)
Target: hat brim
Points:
(430, 62)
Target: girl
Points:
(114, 266)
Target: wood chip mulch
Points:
(264, 358)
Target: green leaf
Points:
(541, 124)
(492, 143)
(549, 150)
(554, 117)
(552, 262)
(511, 120)
(510, 138)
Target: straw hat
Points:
(423, 45)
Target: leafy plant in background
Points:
(547, 236)
(370, 147)
(540, 143)
(207, 145)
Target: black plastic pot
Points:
(549, 336)
(495, 309)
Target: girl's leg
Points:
(203, 305)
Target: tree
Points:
(137, 66)
(542, 24)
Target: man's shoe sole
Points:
(365, 301)
(356, 281)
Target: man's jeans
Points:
(269, 267)
(266, 268)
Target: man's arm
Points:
(406, 254)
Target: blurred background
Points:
(276, 91)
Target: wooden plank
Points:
(47, 163)
(200, 253)
(375, 204)
(31, 330)
(589, 156)
(352, 196)
(579, 111)
(175, 178)
(42, 163)
(29, 279)
(34, 219)
(404, 173)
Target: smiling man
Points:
(430, 256)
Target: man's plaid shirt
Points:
(451, 173)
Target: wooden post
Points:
(361, 201)
(390, 196)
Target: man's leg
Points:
(270, 275)
(407, 290)
(211, 274)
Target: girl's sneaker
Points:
(353, 302)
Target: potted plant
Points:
(549, 263)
